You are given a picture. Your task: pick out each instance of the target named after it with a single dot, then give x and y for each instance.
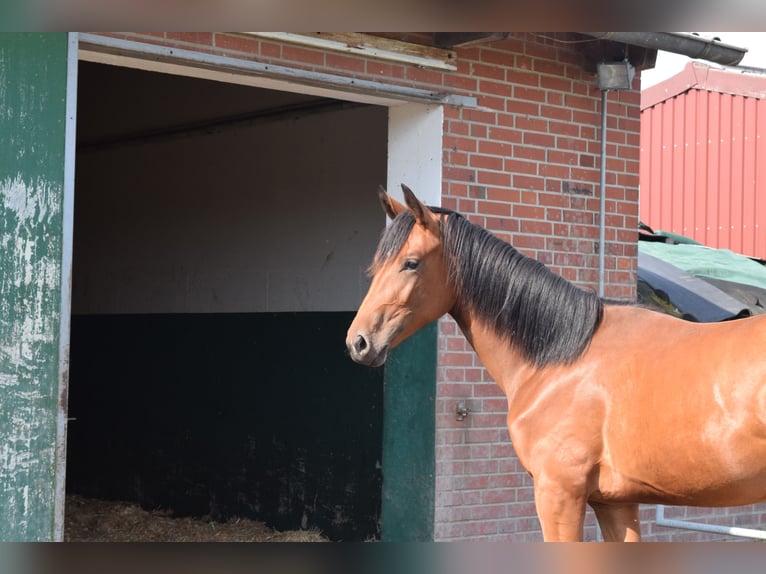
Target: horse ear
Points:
(389, 204)
(420, 211)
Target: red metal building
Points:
(703, 159)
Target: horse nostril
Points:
(360, 344)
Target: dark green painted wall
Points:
(258, 415)
(33, 73)
(409, 439)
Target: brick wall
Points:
(526, 166)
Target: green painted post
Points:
(409, 424)
(33, 88)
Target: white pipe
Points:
(702, 527)
(602, 200)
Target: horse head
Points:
(410, 286)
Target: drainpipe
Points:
(679, 43)
(611, 76)
(602, 200)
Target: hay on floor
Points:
(91, 520)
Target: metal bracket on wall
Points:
(461, 411)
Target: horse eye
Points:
(410, 264)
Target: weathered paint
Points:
(32, 143)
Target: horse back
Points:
(685, 407)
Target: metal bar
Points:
(282, 73)
(65, 309)
(660, 520)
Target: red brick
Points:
(528, 182)
(484, 71)
(487, 511)
(459, 174)
(495, 208)
(496, 57)
(205, 38)
(522, 78)
(503, 194)
(556, 84)
(539, 139)
(478, 116)
(494, 178)
(491, 147)
(580, 102)
(465, 83)
(487, 162)
(553, 170)
(512, 136)
(270, 50)
(484, 419)
(459, 143)
(424, 76)
(345, 63)
(556, 113)
(494, 496)
(514, 106)
(495, 405)
(564, 128)
(549, 67)
(493, 102)
(237, 43)
(536, 227)
(526, 123)
(529, 94)
(495, 88)
(456, 359)
(527, 152)
(304, 55)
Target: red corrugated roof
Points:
(699, 76)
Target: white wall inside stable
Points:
(277, 216)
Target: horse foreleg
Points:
(618, 522)
(561, 512)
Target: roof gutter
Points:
(680, 43)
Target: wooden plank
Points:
(462, 39)
(370, 46)
(33, 89)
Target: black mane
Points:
(548, 318)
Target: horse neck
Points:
(505, 363)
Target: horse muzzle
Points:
(364, 351)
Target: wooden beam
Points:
(460, 39)
(370, 46)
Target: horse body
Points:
(658, 410)
(651, 409)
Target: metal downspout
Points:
(602, 200)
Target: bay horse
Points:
(609, 404)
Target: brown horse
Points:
(610, 405)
